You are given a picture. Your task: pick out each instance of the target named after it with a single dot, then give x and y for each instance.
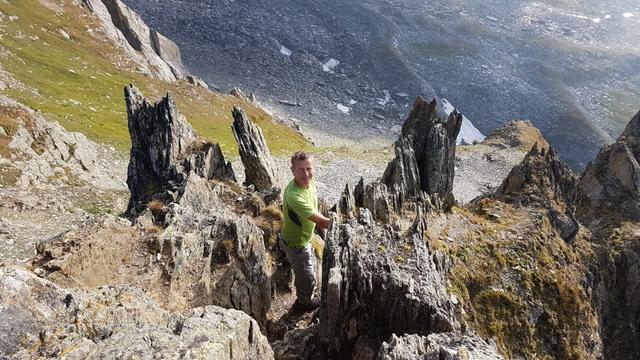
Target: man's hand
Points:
(321, 221)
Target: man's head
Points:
(302, 168)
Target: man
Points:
(300, 210)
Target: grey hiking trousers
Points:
(303, 264)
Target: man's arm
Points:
(321, 221)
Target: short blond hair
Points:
(300, 155)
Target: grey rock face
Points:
(155, 54)
(213, 255)
(376, 199)
(164, 150)
(543, 179)
(437, 347)
(46, 148)
(620, 314)
(114, 322)
(260, 169)
(403, 170)
(194, 80)
(377, 282)
(346, 205)
(433, 142)
(612, 180)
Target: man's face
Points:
(303, 172)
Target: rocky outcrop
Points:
(482, 167)
(612, 180)
(155, 54)
(543, 179)
(403, 170)
(44, 151)
(260, 169)
(248, 98)
(164, 151)
(377, 281)
(611, 209)
(438, 346)
(432, 141)
(204, 248)
(115, 322)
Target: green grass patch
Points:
(75, 82)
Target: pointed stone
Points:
(433, 141)
(403, 170)
(260, 169)
(164, 150)
(358, 193)
(347, 205)
(542, 177)
(368, 268)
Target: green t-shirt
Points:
(298, 205)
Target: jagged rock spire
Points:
(403, 169)
(543, 179)
(260, 169)
(164, 150)
(425, 154)
(612, 180)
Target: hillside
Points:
(57, 60)
(140, 213)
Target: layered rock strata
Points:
(425, 154)
(189, 216)
(153, 52)
(380, 281)
(113, 322)
(260, 169)
(164, 151)
(437, 346)
(543, 179)
(611, 209)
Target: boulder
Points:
(237, 92)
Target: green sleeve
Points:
(301, 206)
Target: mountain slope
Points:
(56, 60)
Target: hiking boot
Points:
(305, 307)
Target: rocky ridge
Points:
(154, 53)
(194, 240)
(197, 239)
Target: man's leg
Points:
(302, 262)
